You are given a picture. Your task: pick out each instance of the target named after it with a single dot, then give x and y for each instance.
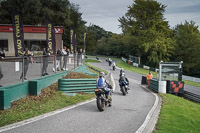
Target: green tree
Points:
(34, 12)
(95, 34)
(187, 47)
(149, 32)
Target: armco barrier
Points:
(191, 96)
(11, 93)
(154, 85)
(76, 85)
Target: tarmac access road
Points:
(126, 115)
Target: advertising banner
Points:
(84, 44)
(72, 40)
(50, 37)
(18, 34)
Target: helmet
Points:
(101, 74)
(122, 70)
(123, 74)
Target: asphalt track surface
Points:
(126, 115)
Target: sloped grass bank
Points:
(178, 116)
(49, 100)
(94, 61)
(134, 69)
(91, 60)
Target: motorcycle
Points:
(124, 88)
(113, 67)
(109, 62)
(102, 99)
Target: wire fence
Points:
(19, 69)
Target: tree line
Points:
(147, 34)
(145, 31)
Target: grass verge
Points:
(192, 83)
(128, 67)
(93, 61)
(49, 100)
(178, 116)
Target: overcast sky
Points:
(105, 13)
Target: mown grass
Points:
(178, 116)
(192, 83)
(94, 61)
(91, 60)
(49, 100)
(128, 67)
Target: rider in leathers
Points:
(101, 83)
(123, 78)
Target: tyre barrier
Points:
(191, 96)
(154, 85)
(77, 85)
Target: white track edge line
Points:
(24, 122)
(149, 115)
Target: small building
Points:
(34, 38)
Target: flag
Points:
(75, 43)
(50, 37)
(18, 34)
(84, 44)
(72, 40)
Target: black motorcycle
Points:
(102, 99)
(113, 67)
(124, 88)
(109, 62)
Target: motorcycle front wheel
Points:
(100, 103)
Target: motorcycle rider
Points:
(109, 61)
(121, 71)
(102, 83)
(123, 78)
(113, 65)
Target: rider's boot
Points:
(110, 101)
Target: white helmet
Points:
(123, 74)
(101, 74)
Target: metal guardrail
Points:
(19, 69)
(191, 96)
(191, 78)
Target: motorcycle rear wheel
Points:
(100, 103)
(123, 90)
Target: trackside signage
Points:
(31, 29)
(18, 34)
(50, 37)
(72, 40)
